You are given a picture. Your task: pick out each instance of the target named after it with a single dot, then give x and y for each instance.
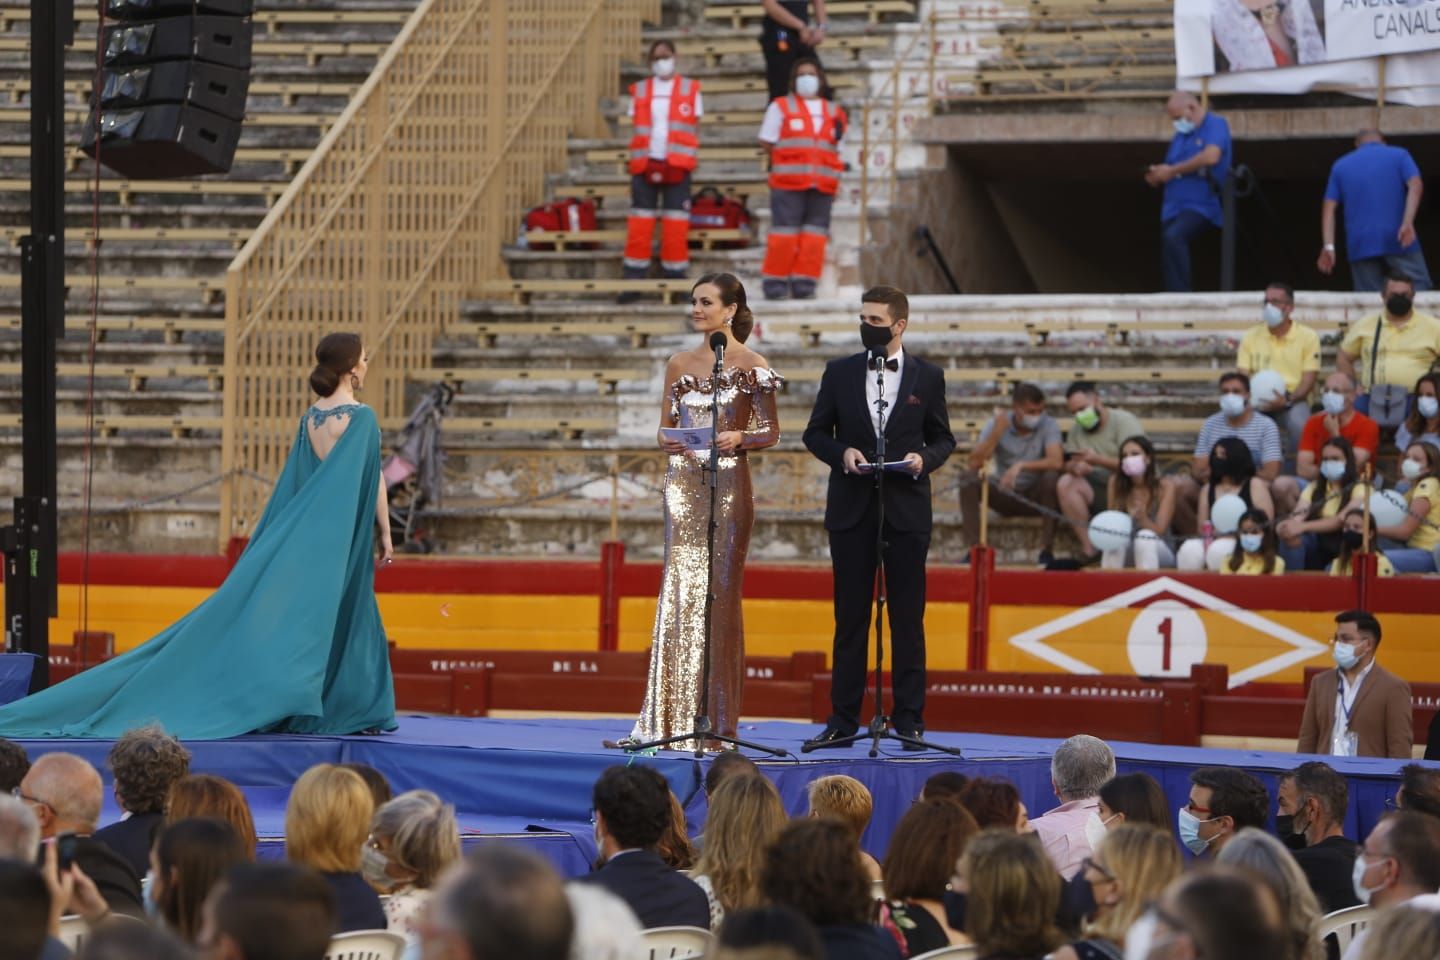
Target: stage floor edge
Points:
(530, 780)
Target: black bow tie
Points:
(891, 364)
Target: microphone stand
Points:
(704, 731)
(880, 723)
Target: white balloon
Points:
(1226, 513)
(1265, 386)
(1388, 508)
(1219, 554)
(1110, 530)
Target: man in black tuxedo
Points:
(916, 425)
(632, 809)
(146, 762)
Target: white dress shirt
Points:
(892, 391)
(1340, 743)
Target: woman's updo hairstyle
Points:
(732, 294)
(335, 355)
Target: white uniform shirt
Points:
(660, 93)
(770, 127)
(892, 392)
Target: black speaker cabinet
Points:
(209, 86)
(222, 40)
(163, 141)
(154, 9)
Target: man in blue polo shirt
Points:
(1380, 187)
(1194, 170)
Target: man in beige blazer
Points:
(1360, 709)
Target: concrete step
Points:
(167, 398)
(605, 263)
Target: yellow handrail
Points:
(401, 211)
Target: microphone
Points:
(717, 343)
(877, 357)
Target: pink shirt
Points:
(1062, 832)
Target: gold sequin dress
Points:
(672, 695)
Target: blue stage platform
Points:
(530, 780)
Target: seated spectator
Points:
(674, 847)
(1352, 542)
(1133, 798)
(771, 933)
(1136, 489)
(1423, 424)
(1223, 801)
(1328, 858)
(65, 793)
(379, 787)
(1077, 770)
(1231, 472)
(1310, 536)
(190, 857)
(204, 795)
(1266, 858)
(1025, 442)
(1288, 348)
(924, 849)
(1410, 930)
(269, 911)
(504, 902)
(814, 868)
(326, 822)
(632, 810)
(1256, 551)
(1338, 421)
(728, 764)
(1092, 457)
(1409, 343)
(994, 802)
(745, 816)
(947, 785)
(1287, 801)
(413, 841)
(1012, 894)
(146, 762)
(1237, 420)
(1220, 912)
(605, 927)
(1413, 543)
(132, 941)
(19, 831)
(845, 799)
(1360, 709)
(26, 914)
(14, 764)
(1398, 862)
(1419, 790)
(1132, 867)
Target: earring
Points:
(354, 382)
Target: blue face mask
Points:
(1251, 542)
(152, 908)
(1345, 656)
(1190, 832)
(1184, 127)
(1332, 470)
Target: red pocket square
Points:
(913, 401)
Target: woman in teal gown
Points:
(292, 640)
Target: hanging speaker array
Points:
(175, 75)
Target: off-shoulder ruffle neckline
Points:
(754, 380)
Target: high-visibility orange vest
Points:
(804, 158)
(683, 144)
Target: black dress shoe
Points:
(915, 734)
(827, 737)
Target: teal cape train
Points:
(290, 642)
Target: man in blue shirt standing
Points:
(1380, 187)
(1194, 170)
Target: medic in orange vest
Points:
(664, 147)
(802, 133)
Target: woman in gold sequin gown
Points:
(747, 421)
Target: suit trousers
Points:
(852, 557)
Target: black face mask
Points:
(1398, 304)
(872, 336)
(955, 909)
(1220, 469)
(1353, 539)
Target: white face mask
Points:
(1094, 830)
(1411, 469)
(1428, 406)
(1144, 938)
(664, 68)
(1232, 404)
(1334, 403)
(1030, 420)
(1357, 880)
(1332, 470)
(807, 85)
(1272, 315)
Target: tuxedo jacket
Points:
(918, 423)
(1382, 718)
(660, 896)
(116, 882)
(132, 838)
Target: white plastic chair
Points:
(366, 945)
(673, 943)
(950, 953)
(1344, 924)
(73, 929)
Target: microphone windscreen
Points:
(717, 340)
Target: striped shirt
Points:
(1260, 434)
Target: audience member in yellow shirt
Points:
(1352, 541)
(1409, 344)
(1256, 549)
(1292, 350)
(1310, 536)
(1413, 542)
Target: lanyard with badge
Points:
(1346, 744)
